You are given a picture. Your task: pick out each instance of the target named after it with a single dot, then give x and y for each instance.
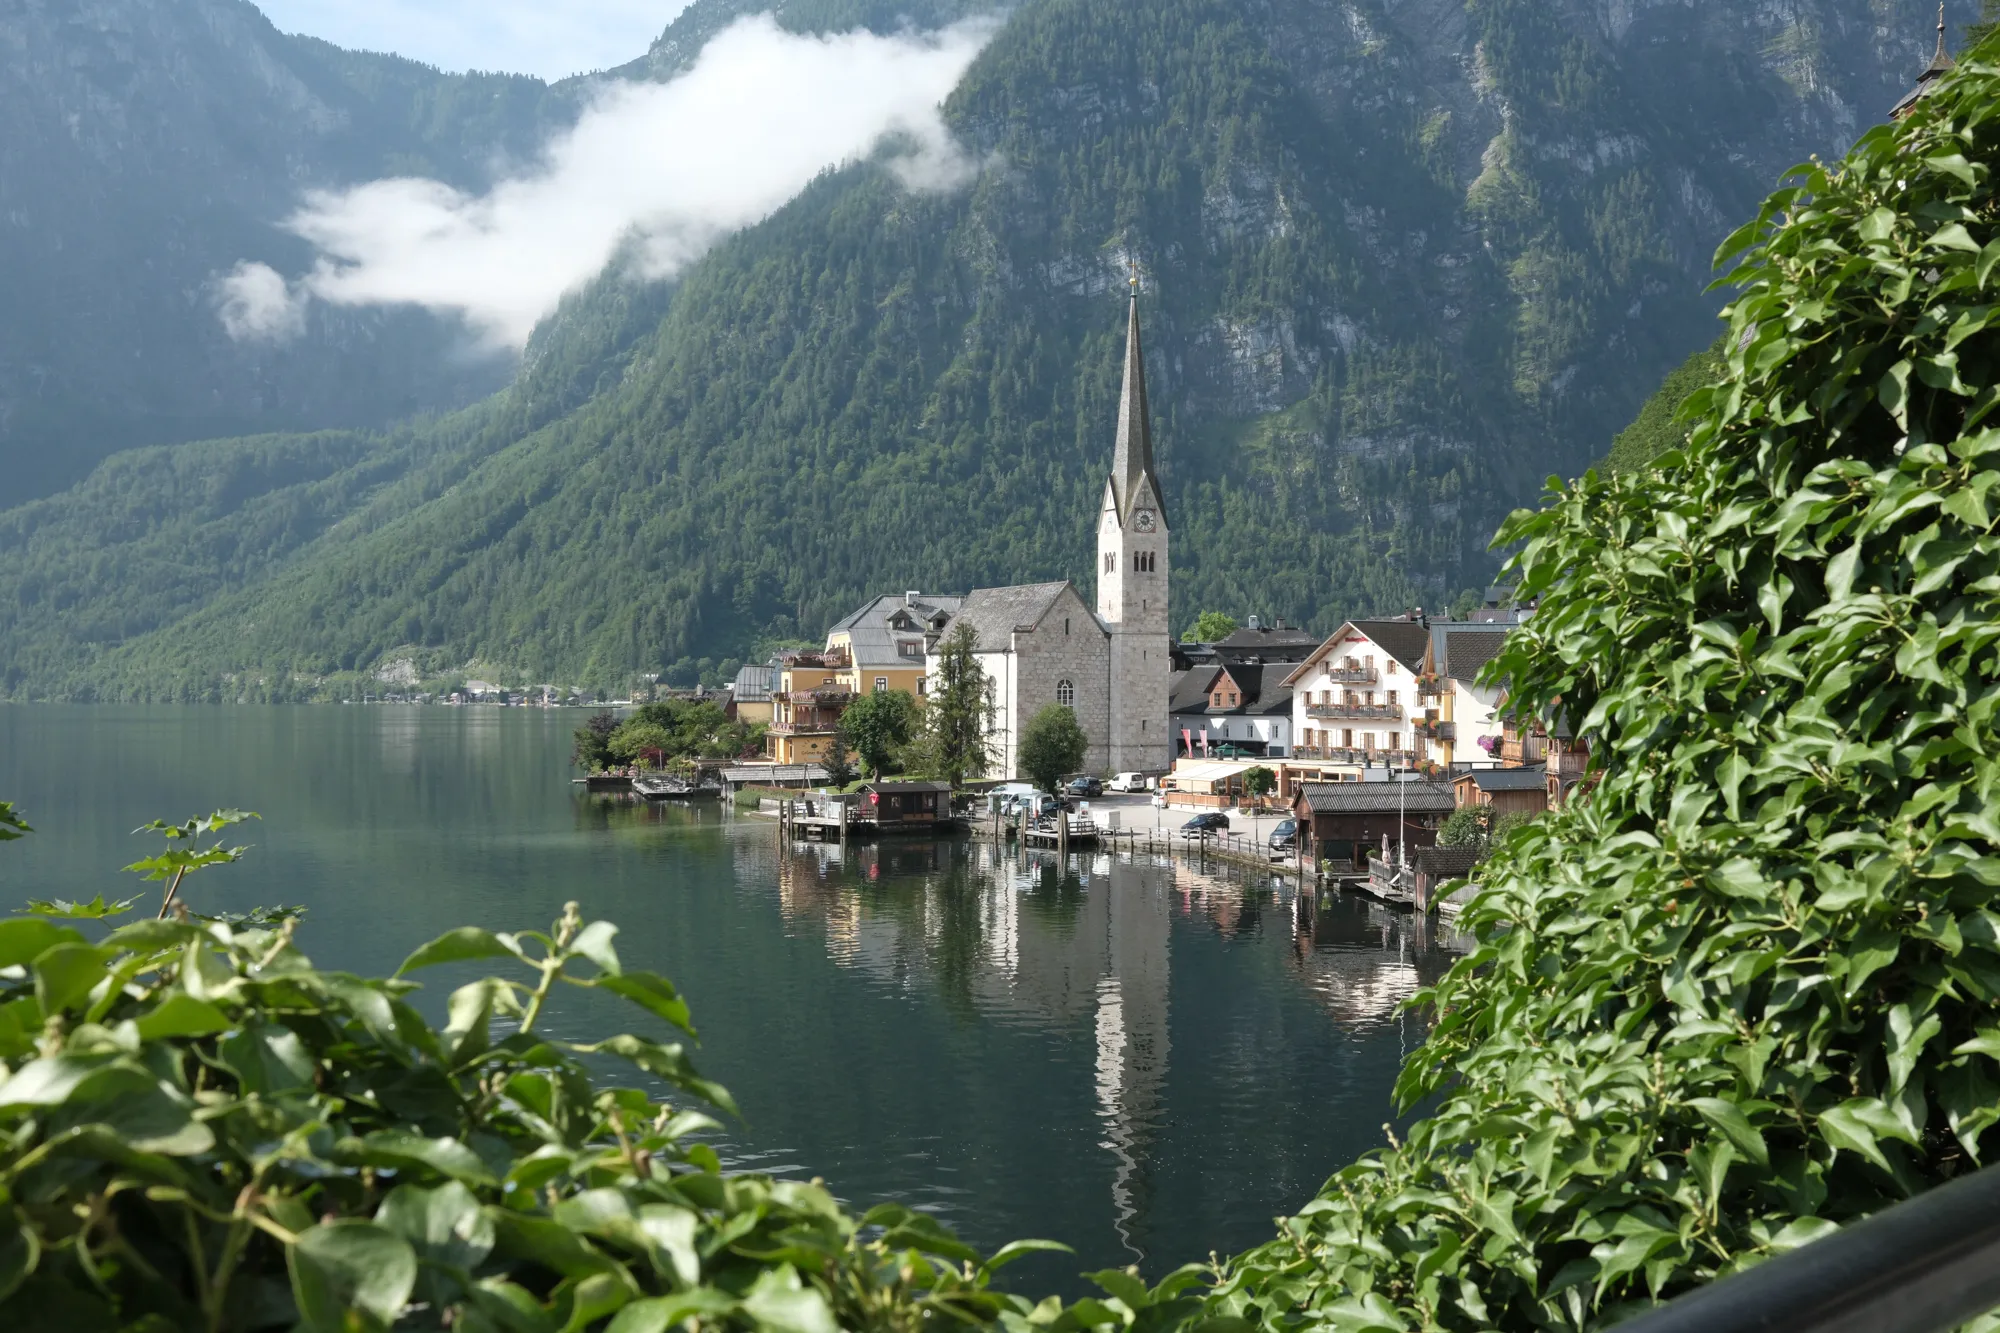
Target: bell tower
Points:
(1132, 573)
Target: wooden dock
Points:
(829, 819)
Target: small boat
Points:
(665, 787)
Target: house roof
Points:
(1445, 860)
(754, 684)
(905, 788)
(1260, 689)
(1403, 639)
(1370, 798)
(995, 613)
(873, 634)
(774, 773)
(1506, 779)
(1268, 643)
(1461, 648)
(1187, 691)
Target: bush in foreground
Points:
(1747, 989)
(200, 1130)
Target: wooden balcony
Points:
(1356, 712)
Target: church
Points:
(1042, 643)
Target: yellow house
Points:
(884, 641)
(813, 690)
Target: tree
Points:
(641, 739)
(1463, 827)
(1259, 782)
(1053, 746)
(1210, 627)
(877, 725)
(592, 751)
(960, 714)
(838, 761)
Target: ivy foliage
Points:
(201, 1130)
(1745, 991)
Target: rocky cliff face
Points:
(152, 144)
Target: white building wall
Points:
(1392, 684)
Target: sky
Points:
(550, 38)
(649, 177)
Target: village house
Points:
(750, 694)
(1354, 695)
(813, 690)
(1042, 644)
(1459, 725)
(1238, 709)
(1505, 791)
(885, 641)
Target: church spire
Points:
(1132, 460)
(1941, 62)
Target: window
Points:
(923, 684)
(1065, 627)
(1065, 694)
(1111, 562)
(1232, 701)
(881, 684)
(1392, 666)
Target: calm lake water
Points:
(1145, 1060)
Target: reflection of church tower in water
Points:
(1132, 1040)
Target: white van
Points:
(1128, 782)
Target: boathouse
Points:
(1342, 820)
(890, 803)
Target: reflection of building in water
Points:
(1080, 946)
(1361, 960)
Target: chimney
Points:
(1255, 624)
(1279, 623)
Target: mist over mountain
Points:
(1400, 261)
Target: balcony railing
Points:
(825, 694)
(1358, 712)
(1357, 675)
(1356, 756)
(1433, 729)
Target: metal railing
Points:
(1928, 1264)
(1357, 675)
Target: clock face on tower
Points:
(1143, 520)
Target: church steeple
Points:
(1132, 459)
(1941, 65)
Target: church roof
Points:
(995, 613)
(1132, 458)
(1941, 65)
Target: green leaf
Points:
(94, 910)
(50, 1080)
(268, 1059)
(594, 942)
(1020, 1249)
(653, 993)
(445, 1226)
(404, 1149)
(660, 1313)
(25, 939)
(1726, 1116)
(353, 1267)
(20, 1254)
(667, 1062)
(779, 1301)
(181, 1015)
(466, 944)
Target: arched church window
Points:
(1066, 694)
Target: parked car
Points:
(1285, 837)
(1208, 821)
(1159, 798)
(1085, 786)
(1128, 782)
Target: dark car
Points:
(1285, 836)
(1085, 786)
(1212, 821)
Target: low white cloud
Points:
(659, 172)
(255, 304)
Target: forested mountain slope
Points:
(1400, 262)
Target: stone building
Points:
(1041, 643)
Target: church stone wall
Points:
(1047, 656)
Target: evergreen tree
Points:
(954, 744)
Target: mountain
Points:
(1399, 261)
(153, 144)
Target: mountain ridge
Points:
(1398, 270)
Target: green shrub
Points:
(1746, 989)
(200, 1130)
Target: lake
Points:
(1142, 1058)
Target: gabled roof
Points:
(754, 684)
(905, 788)
(1374, 798)
(1187, 691)
(995, 613)
(1506, 779)
(1260, 689)
(1268, 643)
(1405, 640)
(1460, 648)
